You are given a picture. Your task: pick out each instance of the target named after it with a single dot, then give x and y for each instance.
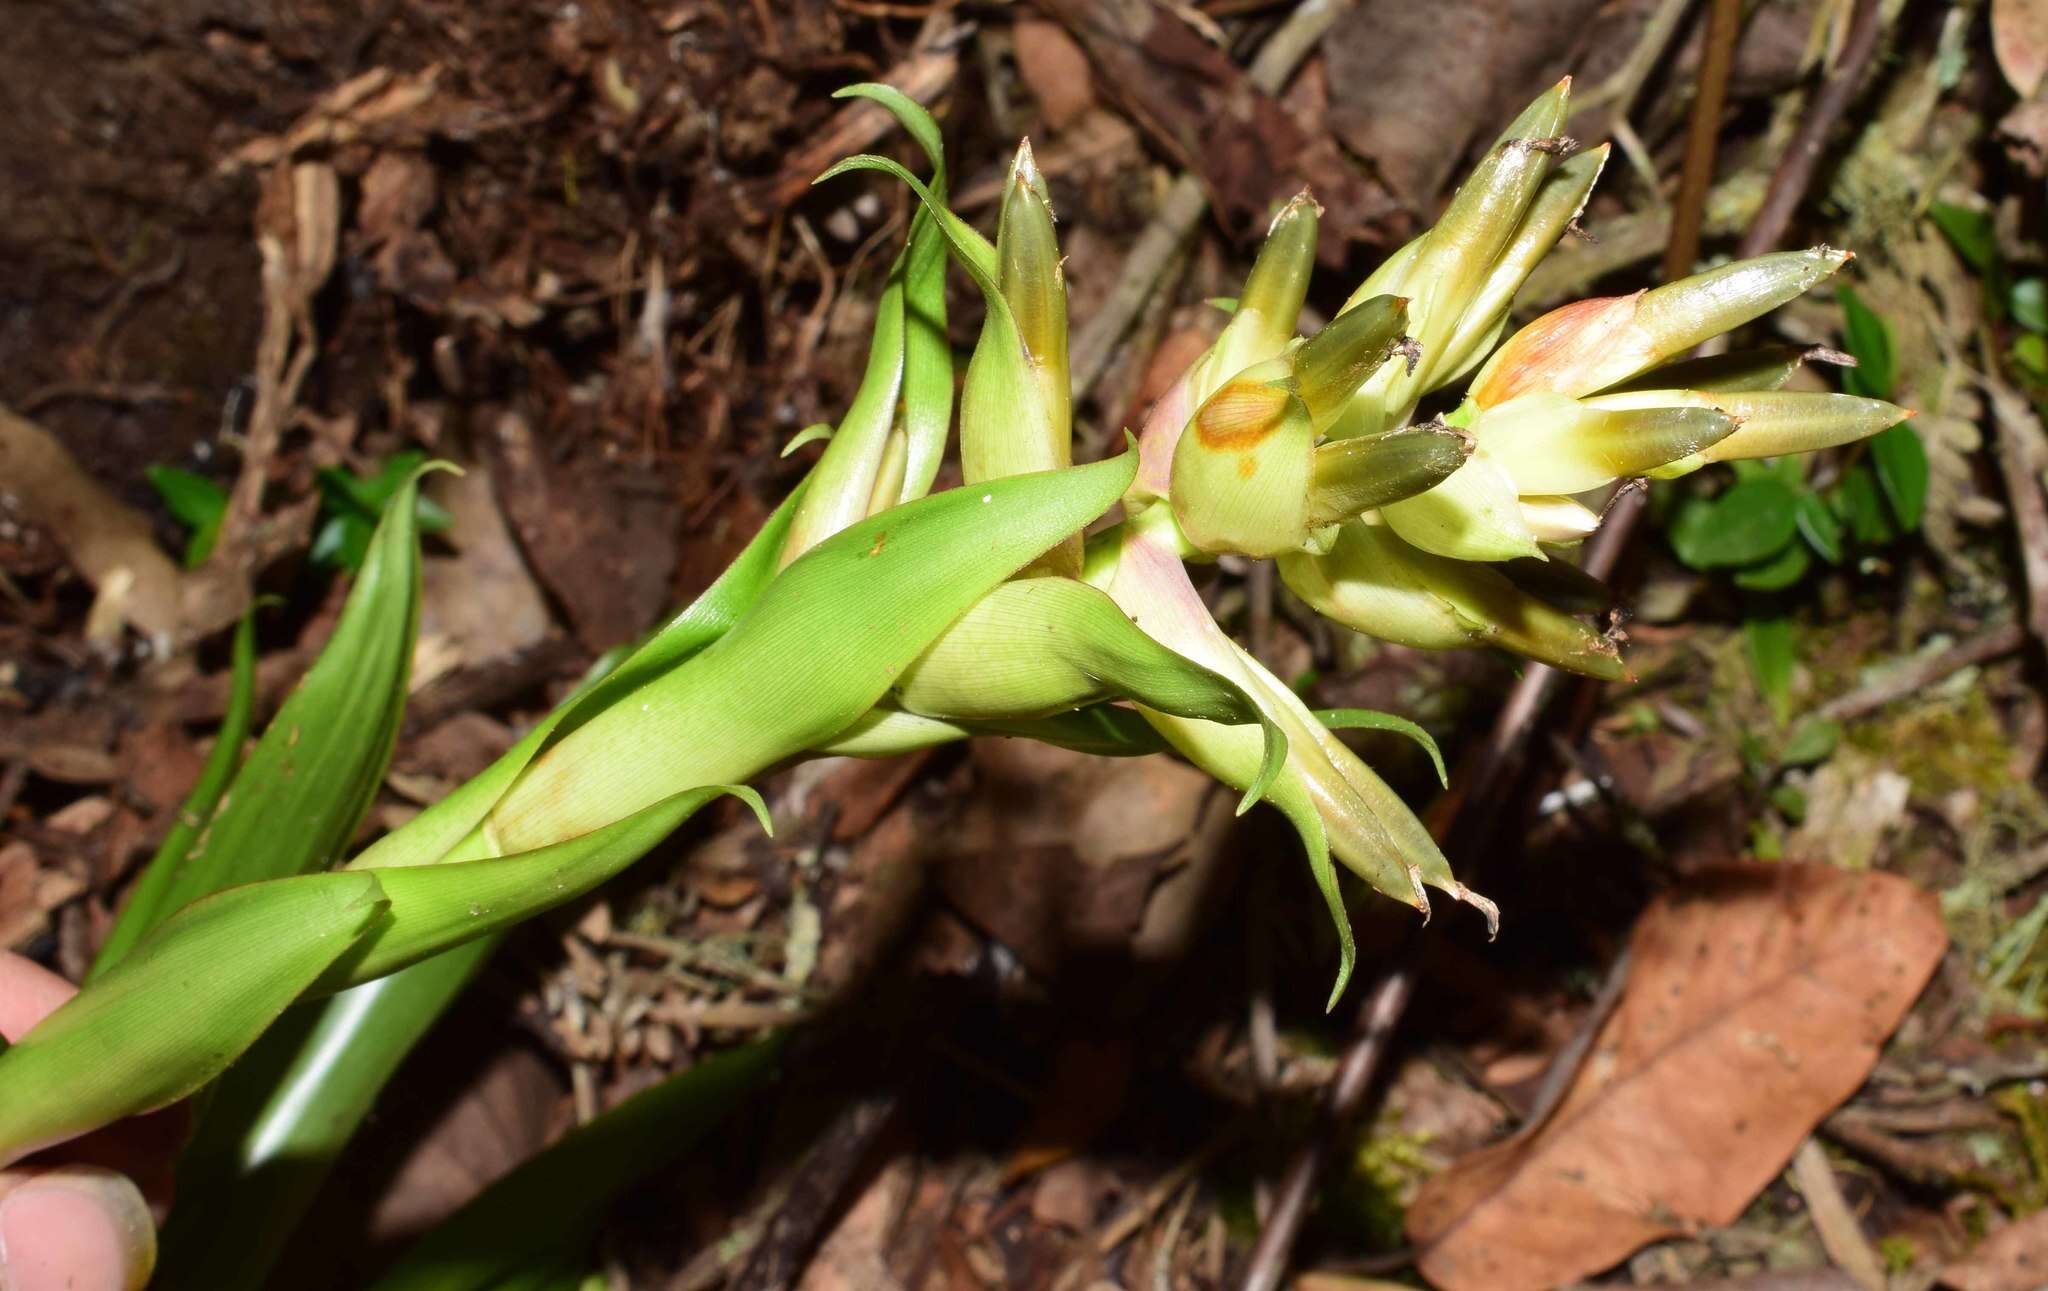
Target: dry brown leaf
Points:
(480, 604)
(1758, 999)
(501, 1119)
(21, 915)
(590, 531)
(1058, 855)
(2019, 37)
(1055, 70)
(1070, 1193)
(2015, 1258)
(379, 106)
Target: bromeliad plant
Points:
(872, 616)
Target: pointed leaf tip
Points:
(1368, 719)
(747, 795)
(816, 431)
(1272, 761)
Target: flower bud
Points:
(1451, 264)
(1028, 271)
(1377, 584)
(1559, 202)
(1242, 471)
(1269, 307)
(1768, 423)
(1015, 415)
(1352, 476)
(1015, 404)
(1333, 799)
(1590, 345)
(1331, 365)
(1259, 329)
(1549, 443)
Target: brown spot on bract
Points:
(1240, 415)
(876, 550)
(1247, 466)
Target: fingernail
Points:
(76, 1228)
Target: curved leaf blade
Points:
(170, 1016)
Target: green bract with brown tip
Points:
(1375, 583)
(1551, 443)
(1449, 267)
(1586, 347)
(1353, 476)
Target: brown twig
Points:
(1186, 203)
(1794, 176)
(1840, 1235)
(792, 1233)
(933, 62)
(1342, 1099)
(107, 392)
(2020, 440)
(1916, 677)
(1724, 21)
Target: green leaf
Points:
(432, 908)
(1790, 802)
(352, 505)
(297, 801)
(915, 568)
(817, 431)
(1866, 336)
(2030, 357)
(1901, 462)
(2030, 304)
(911, 115)
(1035, 647)
(1860, 501)
(1970, 232)
(1748, 524)
(275, 1125)
(550, 1208)
(1368, 719)
(1777, 573)
(430, 835)
(171, 1015)
(1771, 660)
(194, 502)
(341, 542)
(1819, 526)
(1812, 741)
(145, 907)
